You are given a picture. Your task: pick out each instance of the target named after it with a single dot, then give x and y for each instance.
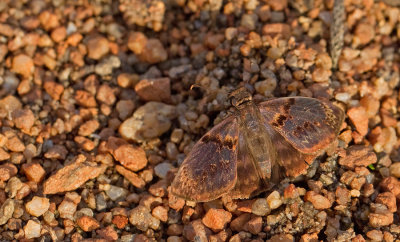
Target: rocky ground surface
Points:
(97, 114)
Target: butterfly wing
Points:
(248, 183)
(210, 169)
(308, 124)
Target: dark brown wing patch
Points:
(210, 169)
(308, 124)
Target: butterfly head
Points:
(240, 98)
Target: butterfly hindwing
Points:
(308, 124)
(248, 182)
(210, 169)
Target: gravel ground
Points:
(97, 114)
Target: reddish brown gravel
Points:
(100, 102)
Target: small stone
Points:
(97, 47)
(161, 170)
(133, 178)
(132, 157)
(87, 223)
(153, 52)
(54, 89)
(388, 199)
(266, 87)
(358, 156)
(59, 34)
(395, 169)
(137, 42)
(196, 230)
(106, 95)
(391, 184)
(141, 218)
(23, 65)
(7, 171)
(278, 5)
(358, 116)
(4, 155)
(378, 220)
(375, 235)
(364, 33)
(58, 152)
(37, 206)
(85, 99)
(342, 195)
(89, 127)
(149, 121)
(15, 144)
(8, 105)
(125, 108)
(72, 176)
(115, 193)
(23, 119)
(318, 201)
(160, 213)
(108, 233)
(255, 225)
(6, 211)
(260, 207)
(120, 221)
(157, 89)
(32, 229)
(274, 200)
(216, 219)
(175, 202)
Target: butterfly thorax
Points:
(241, 98)
(258, 141)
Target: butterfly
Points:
(246, 153)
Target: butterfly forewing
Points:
(308, 124)
(210, 169)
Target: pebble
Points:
(153, 52)
(318, 201)
(85, 99)
(141, 218)
(58, 152)
(72, 176)
(364, 33)
(87, 223)
(120, 221)
(23, 119)
(216, 219)
(395, 169)
(115, 193)
(32, 229)
(23, 65)
(378, 220)
(97, 47)
(161, 170)
(37, 206)
(391, 184)
(132, 177)
(388, 199)
(274, 200)
(15, 144)
(108, 233)
(239, 223)
(160, 213)
(4, 155)
(7, 171)
(125, 109)
(358, 156)
(157, 89)
(105, 94)
(254, 226)
(7, 210)
(88, 128)
(149, 121)
(131, 157)
(260, 207)
(54, 89)
(196, 230)
(358, 116)
(8, 105)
